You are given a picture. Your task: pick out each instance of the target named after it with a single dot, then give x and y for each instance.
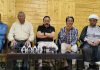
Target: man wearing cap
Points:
(90, 38)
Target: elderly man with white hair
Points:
(90, 38)
(21, 32)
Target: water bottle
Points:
(34, 50)
(39, 51)
(44, 49)
(23, 49)
(29, 50)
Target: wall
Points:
(35, 10)
(83, 9)
(7, 10)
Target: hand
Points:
(27, 43)
(90, 43)
(50, 35)
(46, 34)
(13, 43)
(69, 48)
(96, 43)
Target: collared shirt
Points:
(3, 30)
(93, 33)
(70, 38)
(43, 29)
(20, 31)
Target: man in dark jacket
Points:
(90, 38)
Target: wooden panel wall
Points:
(7, 10)
(35, 10)
(83, 8)
(58, 10)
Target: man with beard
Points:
(45, 36)
(90, 38)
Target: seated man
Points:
(3, 32)
(68, 37)
(21, 32)
(90, 38)
(45, 35)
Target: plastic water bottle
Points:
(39, 50)
(24, 49)
(29, 50)
(34, 49)
(44, 49)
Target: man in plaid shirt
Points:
(68, 37)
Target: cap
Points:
(93, 16)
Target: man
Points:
(21, 32)
(68, 37)
(3, 32)
(90, 38)
(45, 36)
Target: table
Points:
(20, 56)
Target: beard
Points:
(93, 25)
(46, 24)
